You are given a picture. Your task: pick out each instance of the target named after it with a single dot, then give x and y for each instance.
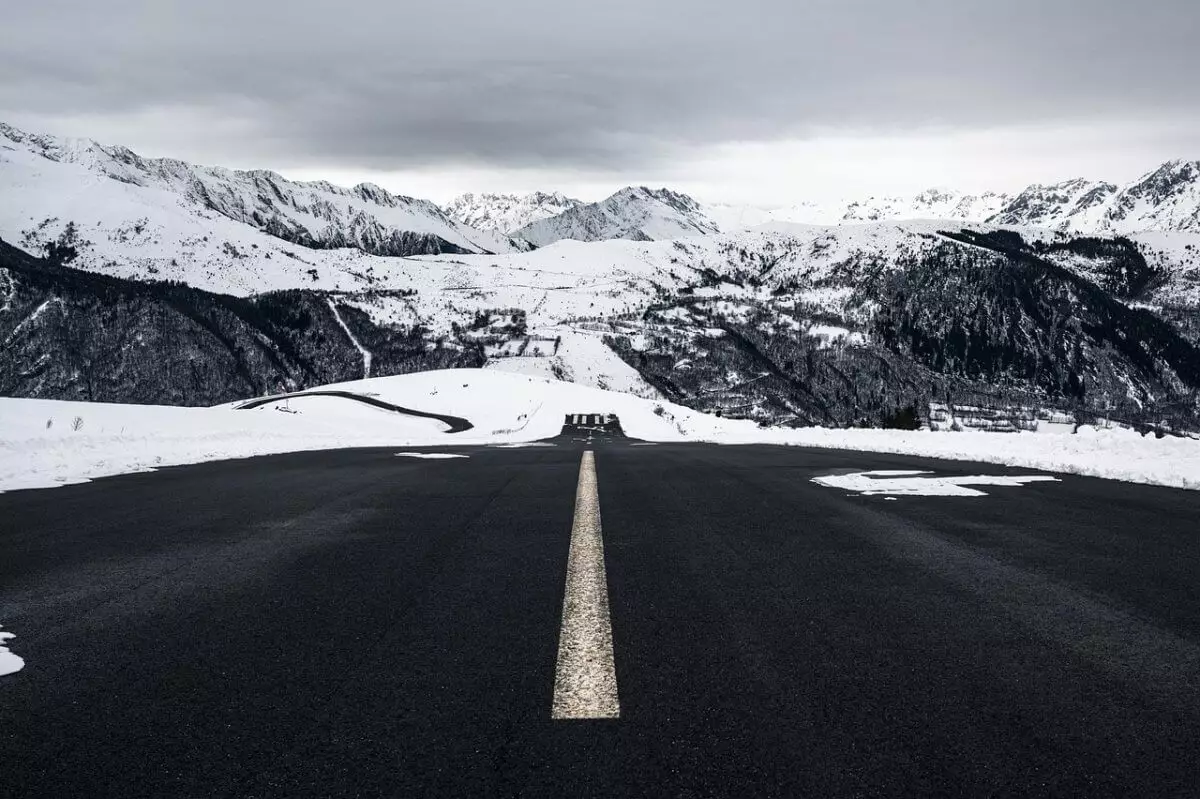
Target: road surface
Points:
(352, 623)
(454, 424)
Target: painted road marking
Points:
(585, 679)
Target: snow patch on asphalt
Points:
(432, 456)
(894, 484)
(9, 663)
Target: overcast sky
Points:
(753, 101)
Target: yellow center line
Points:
(585, 679)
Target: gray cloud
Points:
(390, 85)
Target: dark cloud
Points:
(550, 83)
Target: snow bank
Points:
(47, 442)
(1117, 454)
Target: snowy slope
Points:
(580, 356)
(505, 213)
(316, 214)
(635, 213)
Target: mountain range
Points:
(316, 215)
(1165, 199)
(152, 280)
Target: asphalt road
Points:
(454, 424)
(353, 623)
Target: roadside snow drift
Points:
(47, 442)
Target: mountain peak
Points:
(507, 212)
(637, 213)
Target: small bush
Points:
(77, 423)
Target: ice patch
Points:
(429, 455)
(916, 484)
(9, 662)
(521, 445)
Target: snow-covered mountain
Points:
(82, 175)
(1077, 204)
(505, 213)
(785, 323)
(635, 213)
(790, 324)
(929, 204)
(1165, 199)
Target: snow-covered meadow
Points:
(47, 442)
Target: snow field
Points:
(505, 408)
(42, 445)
